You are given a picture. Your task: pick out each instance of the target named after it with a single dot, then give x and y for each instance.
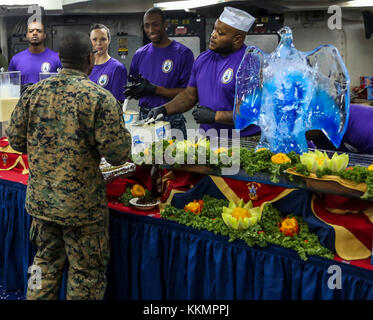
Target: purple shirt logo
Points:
(103, 80)
(45, 67)
(167, 66)
(227, 76)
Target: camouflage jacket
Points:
(66, 124)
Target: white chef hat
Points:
(237, 18)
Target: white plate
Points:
(143, 206)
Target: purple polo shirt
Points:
(358, 137)
(31, 64)
(359, 133)
(112, 76)
(214, 76)
(168, 67)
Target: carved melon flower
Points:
(220, 150)
(320, 160)
(241, 216)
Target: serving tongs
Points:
(148, 121)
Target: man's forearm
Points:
(224, 117)
(183, 102)
(168, 92)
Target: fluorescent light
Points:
(46, 4)
(185, 5)
(358, 3)
(19, 2)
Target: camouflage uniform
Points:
(66, 124)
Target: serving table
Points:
(152, 258)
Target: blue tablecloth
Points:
(157, 259)
(16, 251)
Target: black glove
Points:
(155, 112)
(140, 89)
(204, 115)
(132, 79)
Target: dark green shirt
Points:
(66, 124)
(3, 62)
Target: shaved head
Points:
(74, 48)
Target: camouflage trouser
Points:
(177, 121)
(87, 250)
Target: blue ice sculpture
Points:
(288, 92)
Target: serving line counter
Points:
(152, 258)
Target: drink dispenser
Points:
(10, 90)
(46, 75)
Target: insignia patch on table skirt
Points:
(4, 157)
(253, 186)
